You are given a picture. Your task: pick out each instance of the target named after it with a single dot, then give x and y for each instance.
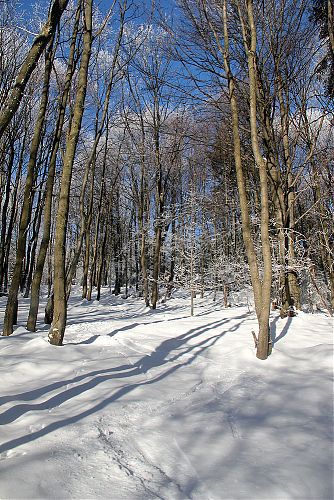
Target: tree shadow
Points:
(158, 358)
(275, 339)
(243, 412)
(131, 326)
(93, 314)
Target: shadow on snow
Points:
(158, 358)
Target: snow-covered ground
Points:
(140, 404)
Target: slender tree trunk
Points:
(101, 260)
(261, 297)
(30, 62)
(11, 308)
(160, 195)
(10, 222)
(264, 333)
(292, 290)
(37, 279)
(156, 267)
(141, 196)
(57, 330)
(32, 245)
(86, 265)
(4, 215)
(85, 223)
(136, 257)
(143, 260)
(118, 254)
(172, 259)
(90, 165)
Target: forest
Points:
(150, 148)
(166, 249)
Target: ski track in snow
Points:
(140, 405)
(150, 478)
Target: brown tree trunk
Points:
(90, 165)
(291, 297)
(86, 265)
(261, 288)
(11, 308)
(57, 330)
(37, 279)
(264, 332)
(172, 261)
(32, 245)
(143, 261)
(156, 267)
(49, 308)
(101, 259)
(160, 195)
(30, 62)
(4, 215)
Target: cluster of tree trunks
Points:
(115, 172)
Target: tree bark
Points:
(57, 330)
(11, 308)
(160, 201)
(261, 289)
(264, 333)
(37, 279)
(32, 245)
(291, 296)
(30, 62)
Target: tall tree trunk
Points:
(291, 296)
(90, 165)
(57, 330)
(275, 181)
(156, 266)
(264, 334)
(11, 307)
(261, 299)
(143, 259)
(9, 222)
(160, 200)
(170, 284)
(30, 62)
(118, 251)
(102, 255)
(4, 215)
(98, 221)
(32, 245)
(86, 265)
(85, 223)
(37, 279)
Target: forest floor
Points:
(142, 404)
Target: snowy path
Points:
(141, 405)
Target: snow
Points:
(142, 404)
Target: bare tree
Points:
(12, 102)
(63, 99)
(57, 330)
(11, 308)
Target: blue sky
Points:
(41, 6)
(104, 4)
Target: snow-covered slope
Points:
(141, 404)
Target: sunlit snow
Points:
(140, 405)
